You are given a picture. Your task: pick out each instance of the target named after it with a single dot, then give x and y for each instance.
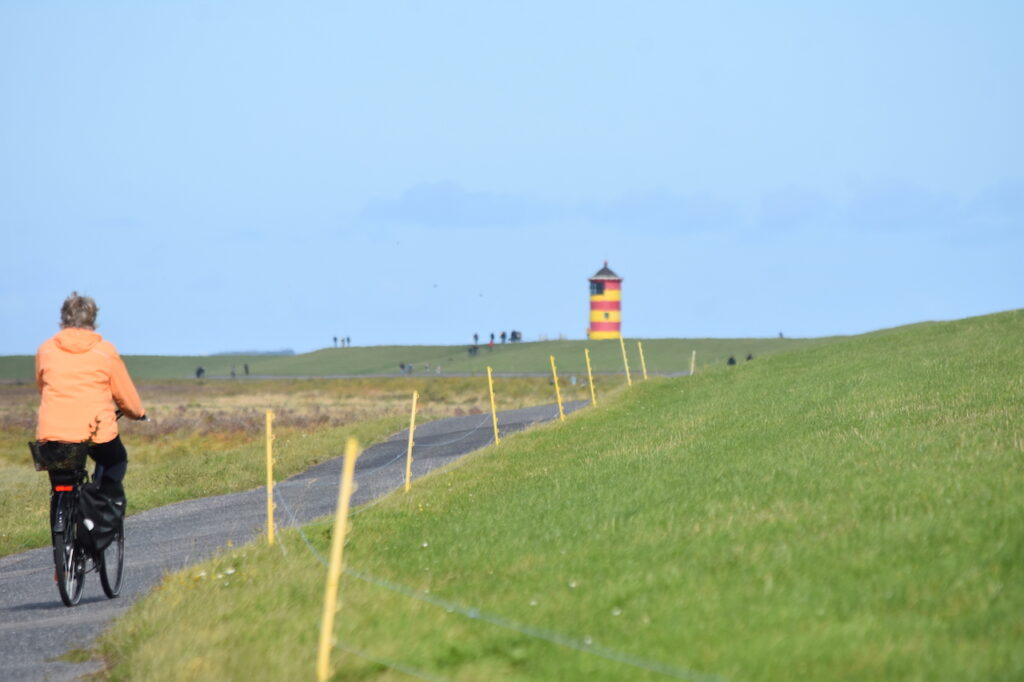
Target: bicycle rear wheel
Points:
(70, 561)
(111, 565)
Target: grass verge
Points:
(851, 512)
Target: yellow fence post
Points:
(643, 363)
(323, 660)
(625, 361)
(494, 411)
(558, 391)
(412, 430)
(693, 363)
(270, 477)
(590, 378)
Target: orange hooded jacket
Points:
(81, 377)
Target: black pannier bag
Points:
(101, 509)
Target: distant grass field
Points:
(661, 356)
(847, 512)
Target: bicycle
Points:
(72, 557)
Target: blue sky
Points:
(232, 176)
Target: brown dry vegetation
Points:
(198, 427)
(229, 409)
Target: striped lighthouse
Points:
(605, 305)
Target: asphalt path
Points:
(36, 628)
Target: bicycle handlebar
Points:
(120, 413)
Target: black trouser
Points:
(111, 460)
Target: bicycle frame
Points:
(65, 463)
(69, 556)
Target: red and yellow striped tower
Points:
(605, 305)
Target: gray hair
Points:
(78, 311)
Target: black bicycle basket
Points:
(54, 455)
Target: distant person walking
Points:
(246, 368)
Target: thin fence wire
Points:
(485, 420)
(585, 645)
(391, 461)
(394, 665)
(403, 453)
(298, 526)
(416, 447)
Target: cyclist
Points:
(81, 379)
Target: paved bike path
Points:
(35, 626)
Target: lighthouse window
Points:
(596, 288)
(606, 316)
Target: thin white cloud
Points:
(896, 208)
(448, 205)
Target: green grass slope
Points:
(850, 512)
(660, 355)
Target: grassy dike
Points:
(849, 512)
(660, 355)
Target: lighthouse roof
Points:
(605, 273)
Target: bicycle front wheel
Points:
(70, 564)
(111, 565)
